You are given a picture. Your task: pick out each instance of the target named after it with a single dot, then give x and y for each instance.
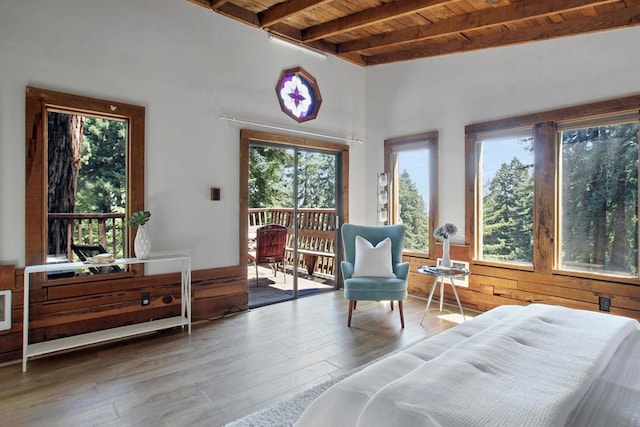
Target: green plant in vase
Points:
(142, 242)
(139, 218)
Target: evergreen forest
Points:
(413, 214)
(271, 179)
(598, 203)
(600, 198)
(271, 174)
(86, 174)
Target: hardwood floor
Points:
(226, 369)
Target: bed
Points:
(535, 365)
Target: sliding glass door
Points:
(296, 188)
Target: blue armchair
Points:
(374, 288)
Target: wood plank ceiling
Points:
(372, 32)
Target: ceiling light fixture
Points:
(298, 46)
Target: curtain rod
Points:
(304, 132)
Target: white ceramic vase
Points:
(446, 261)
(142, 243)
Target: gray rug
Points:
(287, 412)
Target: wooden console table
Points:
(46, 347)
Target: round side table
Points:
(439, 274)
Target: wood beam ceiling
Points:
(387, 11)
(483, 19)
(553, 30)
(369, 33)
(282, 11)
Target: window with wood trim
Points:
(413, 185)
(505, 196)
(598, 195)
(585, 190)
(106, 137)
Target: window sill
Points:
(598, 276)
(419, 255)
(506, 266)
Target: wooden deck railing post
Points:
(102, 233)
(109, 227)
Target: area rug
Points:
(287, 412)
(308, 291)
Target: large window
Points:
(598, 203)
(412, 165)
(87, 184)
(557, 191)
(84, 175)
(505, 202)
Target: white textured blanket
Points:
(531, 368)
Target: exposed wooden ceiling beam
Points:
(204, 3)
(482, 19)
(286, 31)
(282, 11)
(215, 4)
(356, 58)
(371, 16)
(239, 14)
(588, 24)
(209, 4)
(247, 17)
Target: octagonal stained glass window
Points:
(298, 94)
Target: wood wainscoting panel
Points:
(7, 277)
(60, 310)
(494, 285)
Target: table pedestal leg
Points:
(457, 299)
(433, 288)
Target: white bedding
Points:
(535, 365)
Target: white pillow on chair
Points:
(373, 261)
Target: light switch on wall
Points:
(215, 193)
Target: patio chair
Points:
(270, 248)
(84, 252)
(373, 269)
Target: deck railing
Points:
(316, 235)
(105, 229)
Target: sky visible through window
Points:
(497, 151)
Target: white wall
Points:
(446, 93)
(187, 66)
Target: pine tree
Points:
(102, 181)
(599, 198)
(316, 180)
(508, 214)
(413, 214)
(64, 142)
(270, 177)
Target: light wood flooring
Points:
(224, 370)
